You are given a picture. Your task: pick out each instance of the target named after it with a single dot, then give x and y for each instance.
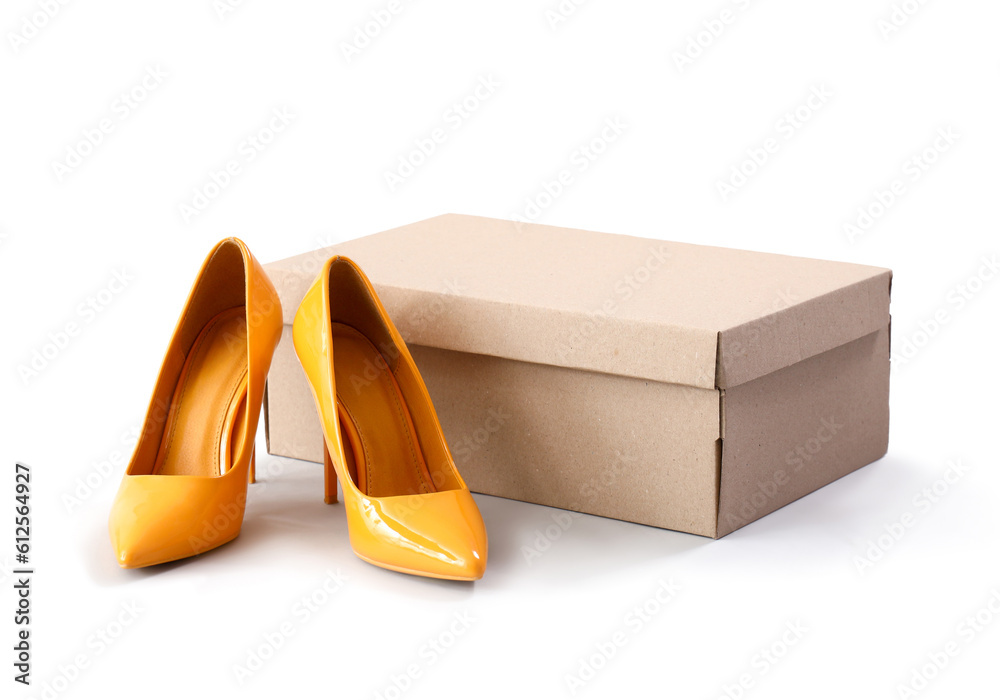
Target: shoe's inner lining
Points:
(379, 434)
(206, 422)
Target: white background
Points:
(322, 179)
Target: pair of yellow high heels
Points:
(184, 491)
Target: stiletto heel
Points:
(185, 488)
(407, 507)
(253, 468)
(329, 477)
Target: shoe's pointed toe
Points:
(130, 550)
(440, 534)
(156, 519)
(134, 550)
(124, 553)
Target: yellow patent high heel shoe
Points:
(184, 491)
(407, 507)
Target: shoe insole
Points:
(206, 419)
(386, 455)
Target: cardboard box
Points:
(682, 386)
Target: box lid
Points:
(674, 312)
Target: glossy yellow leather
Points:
(184, 490)
(407, 507)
